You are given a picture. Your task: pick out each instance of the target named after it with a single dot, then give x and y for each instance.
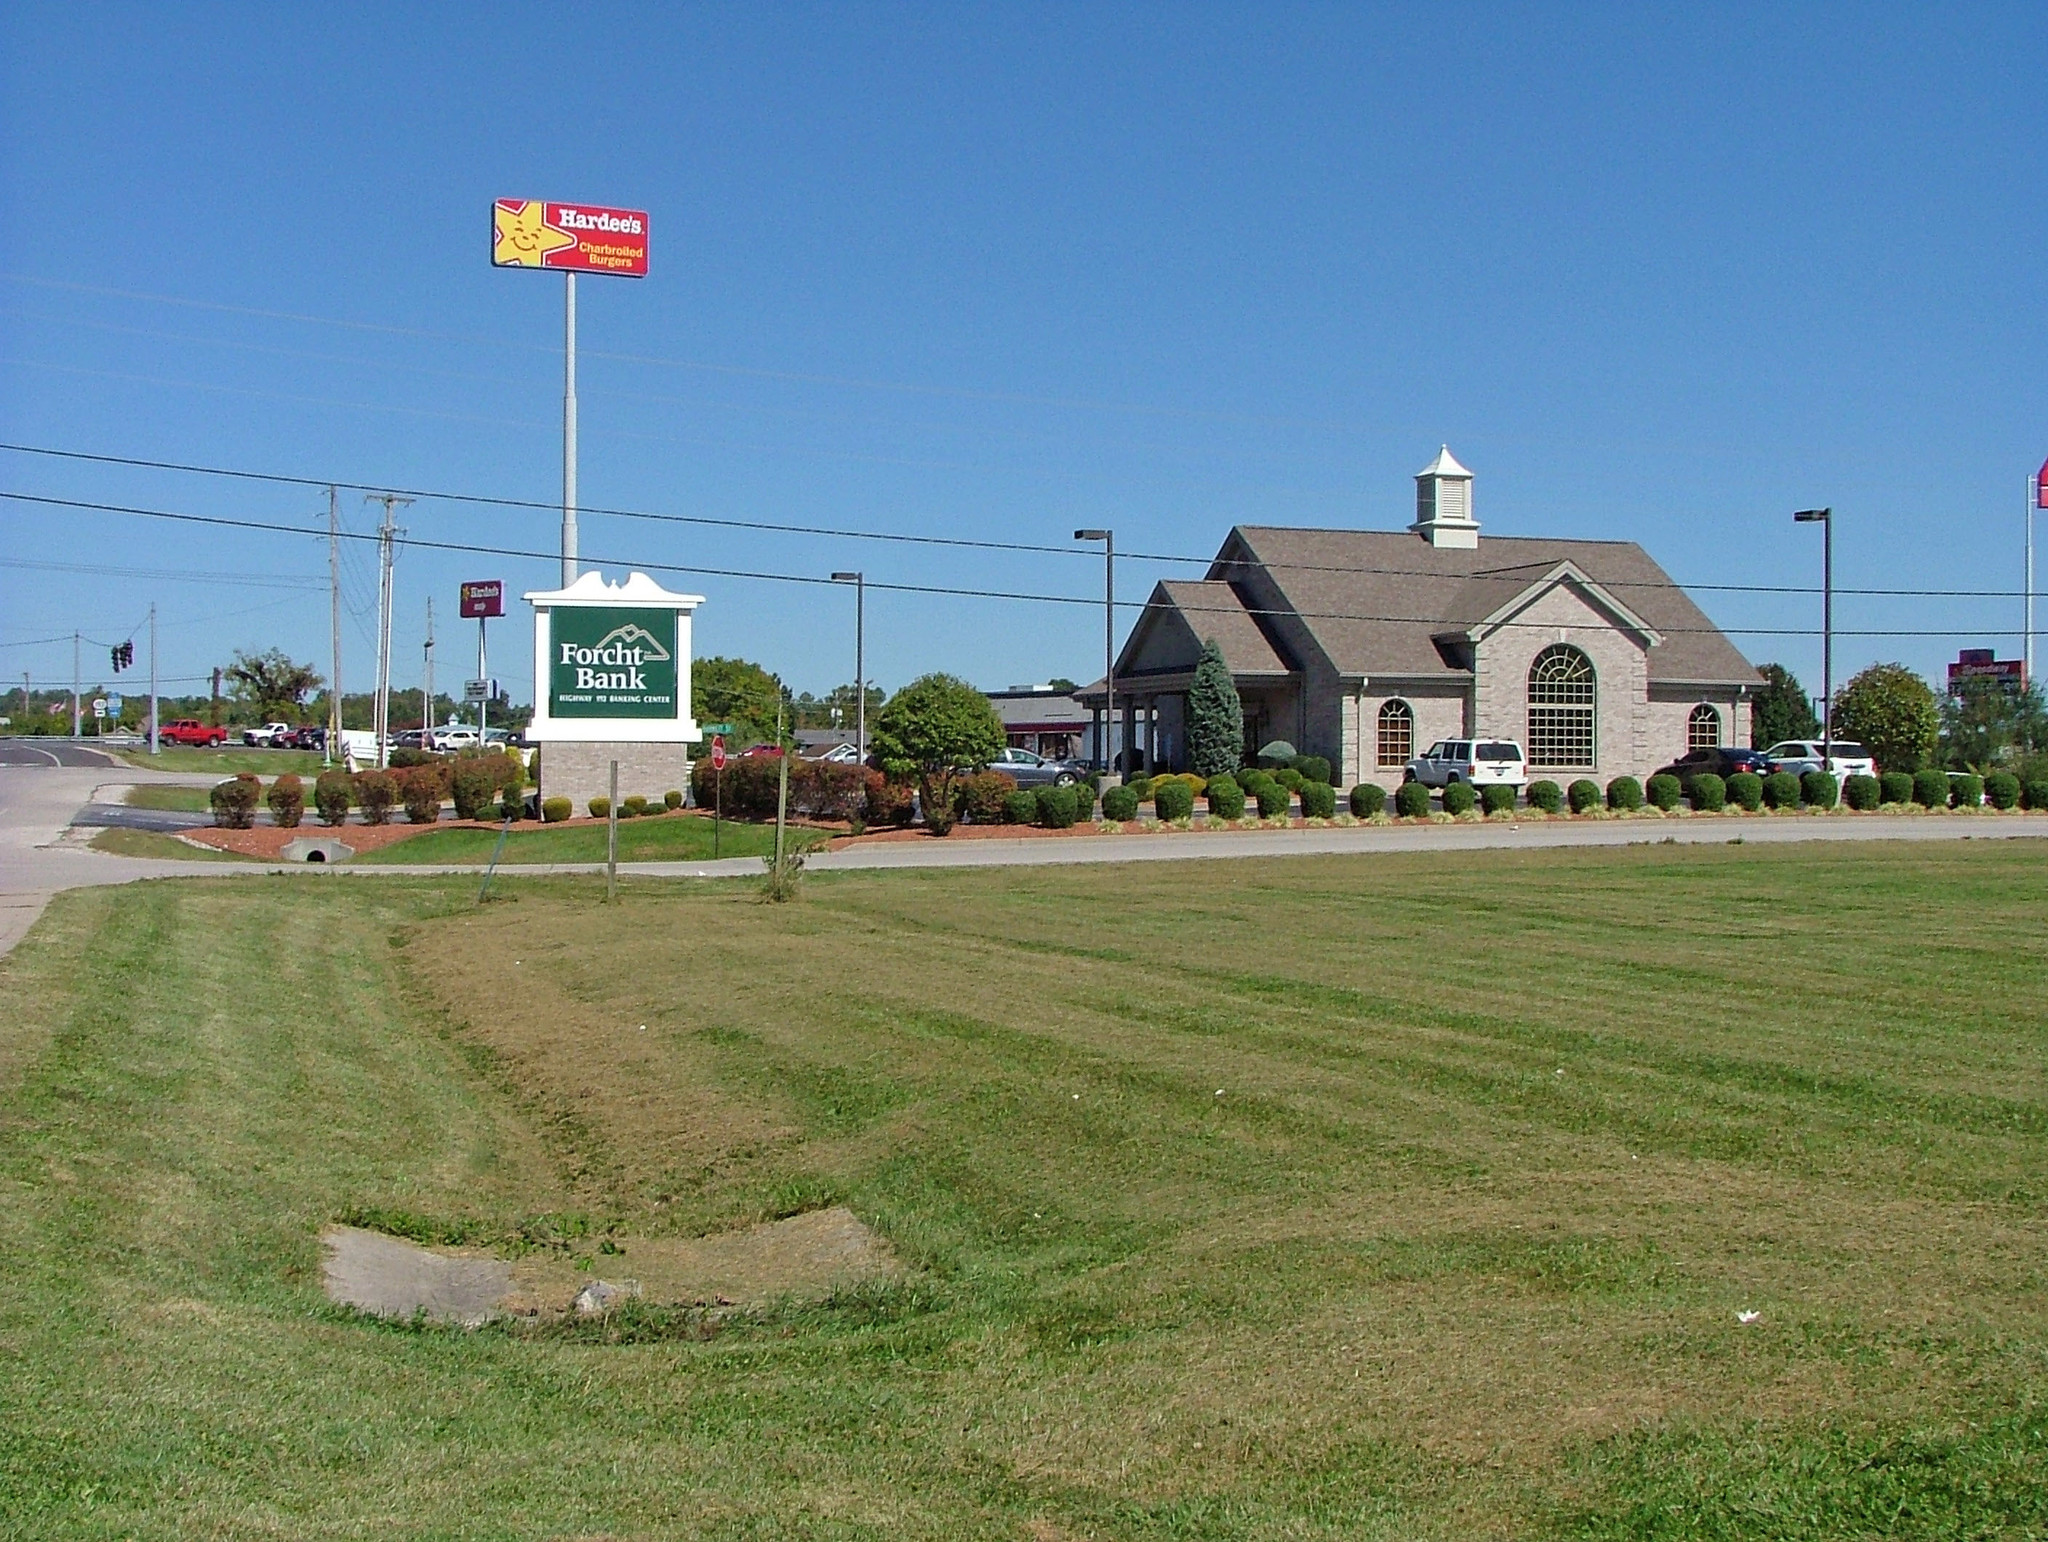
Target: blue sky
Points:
(1655, 273)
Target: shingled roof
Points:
(1374, 600)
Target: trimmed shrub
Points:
(1863, 793)
(1746, 790)
(1584, 795)
(1172, 799)
(1319, 800)
(889, 801)
(1965, 790)
(1313, 768)
(2034, 795)
(333, 792)
(555, 810)
(1141, 788)
(632, 807)
(1275, 754)
(473, 785)
(1274, 800)
(1497, 798)
(376, 796)
(1289, 778)
(1121, 804)
(1459, 798)
(421, 795)
(1368, 799)
(1021, 808)
(1663, 790)
(1059, 808)
(672, 799)
(1410, 802)
(981, 796)
(1546, 795)
(1196, 784)
(1707, 793)
(1781, 790)
(2001, 790)
(1895, 787)
(287, 799)
(1930, 788)
(1226, 799)
(234, 801)
(512, 803)
(600, 808)
(1817, 789)
(1625, 792)
(1084, 800)
(406, 759)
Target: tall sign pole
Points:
(574, 238)
(2037, 498)
(153, 747)
(331, 754)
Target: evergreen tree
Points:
(1780, 711)
(1215, 717)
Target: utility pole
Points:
(427, 682)
(387, 551)
(331, 754)
(75, 682)
(153, 746)
(860, 668)
(569, 433)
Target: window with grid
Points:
(1561, 708)
(1397, 733)
(1703, 728)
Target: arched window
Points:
(1561, 708)
(1703, 728)
(1397, 733)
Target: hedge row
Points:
(476, 783)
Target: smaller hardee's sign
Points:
(483, 599)
(606, 661)
(579, 237)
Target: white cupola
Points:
(1443, 504)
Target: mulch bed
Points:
(268, 841)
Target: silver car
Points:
(1032, 770)
(1800, 756)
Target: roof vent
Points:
(1443, 504)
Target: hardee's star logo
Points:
(520, 237)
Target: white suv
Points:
(1800, 756)
(1476, 762)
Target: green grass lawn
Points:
(1385, 1196)
(665, 838)
(226, 761)
(148, 843)
(163, 795)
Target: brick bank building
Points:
(1365, 646)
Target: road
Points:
(53, 752)
(39, 802)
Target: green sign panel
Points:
(612, 661)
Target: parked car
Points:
(1800, 756)
(1722, 761)
(1034, 770)
(1476, 762)
(838, 755)
(270, 736)
(308, 736)
(190, 731)
(445, 739)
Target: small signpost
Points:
(482, 599)
(717, 783)
(99, 708)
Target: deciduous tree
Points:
(936, 728)
(1890, 711)
(738, 692)
(272, 683)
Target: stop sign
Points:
(718, 752)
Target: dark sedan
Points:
(1723, 761)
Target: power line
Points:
(958, 542)
(171, 575)
(949, 591)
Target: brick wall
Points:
(579, 771)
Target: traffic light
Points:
(124, 656)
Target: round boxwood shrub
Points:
(2001, 789)
(600, 808)
(512, 803)
(1412, 801)
(1746, 790)
(1664, 791)
(1546, 795)
(1021, 808)
(555, 810)
(1781, 790)
(632, 807)
(1817, 789)
(1141, 788)
(1965, 790)
(1459, 798)
(1313, 768)
(1497, 798)
(1226, 798)
(287, 799)
(1172, 799)
(1318, 800)
(1277, 753)
(333, 792)
(1289, 778)
(1895, 787)
(234, 801)
(1084, 800)
(420, 791)
(1274, 800)
(1584, 796)
(1119, 803)
(1707, 793)
(1368, 799)
(1058, 808)
(474, 784)
(1930, 788)
(376, 791)
(1863, 793)
(672, 799)
(1625, 792)
(2034, 795)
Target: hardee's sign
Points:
(580, 237)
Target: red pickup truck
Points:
(189, 730)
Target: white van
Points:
(1475, 762)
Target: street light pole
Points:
(1108, 540)
(1825, 518)
(860, 677)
